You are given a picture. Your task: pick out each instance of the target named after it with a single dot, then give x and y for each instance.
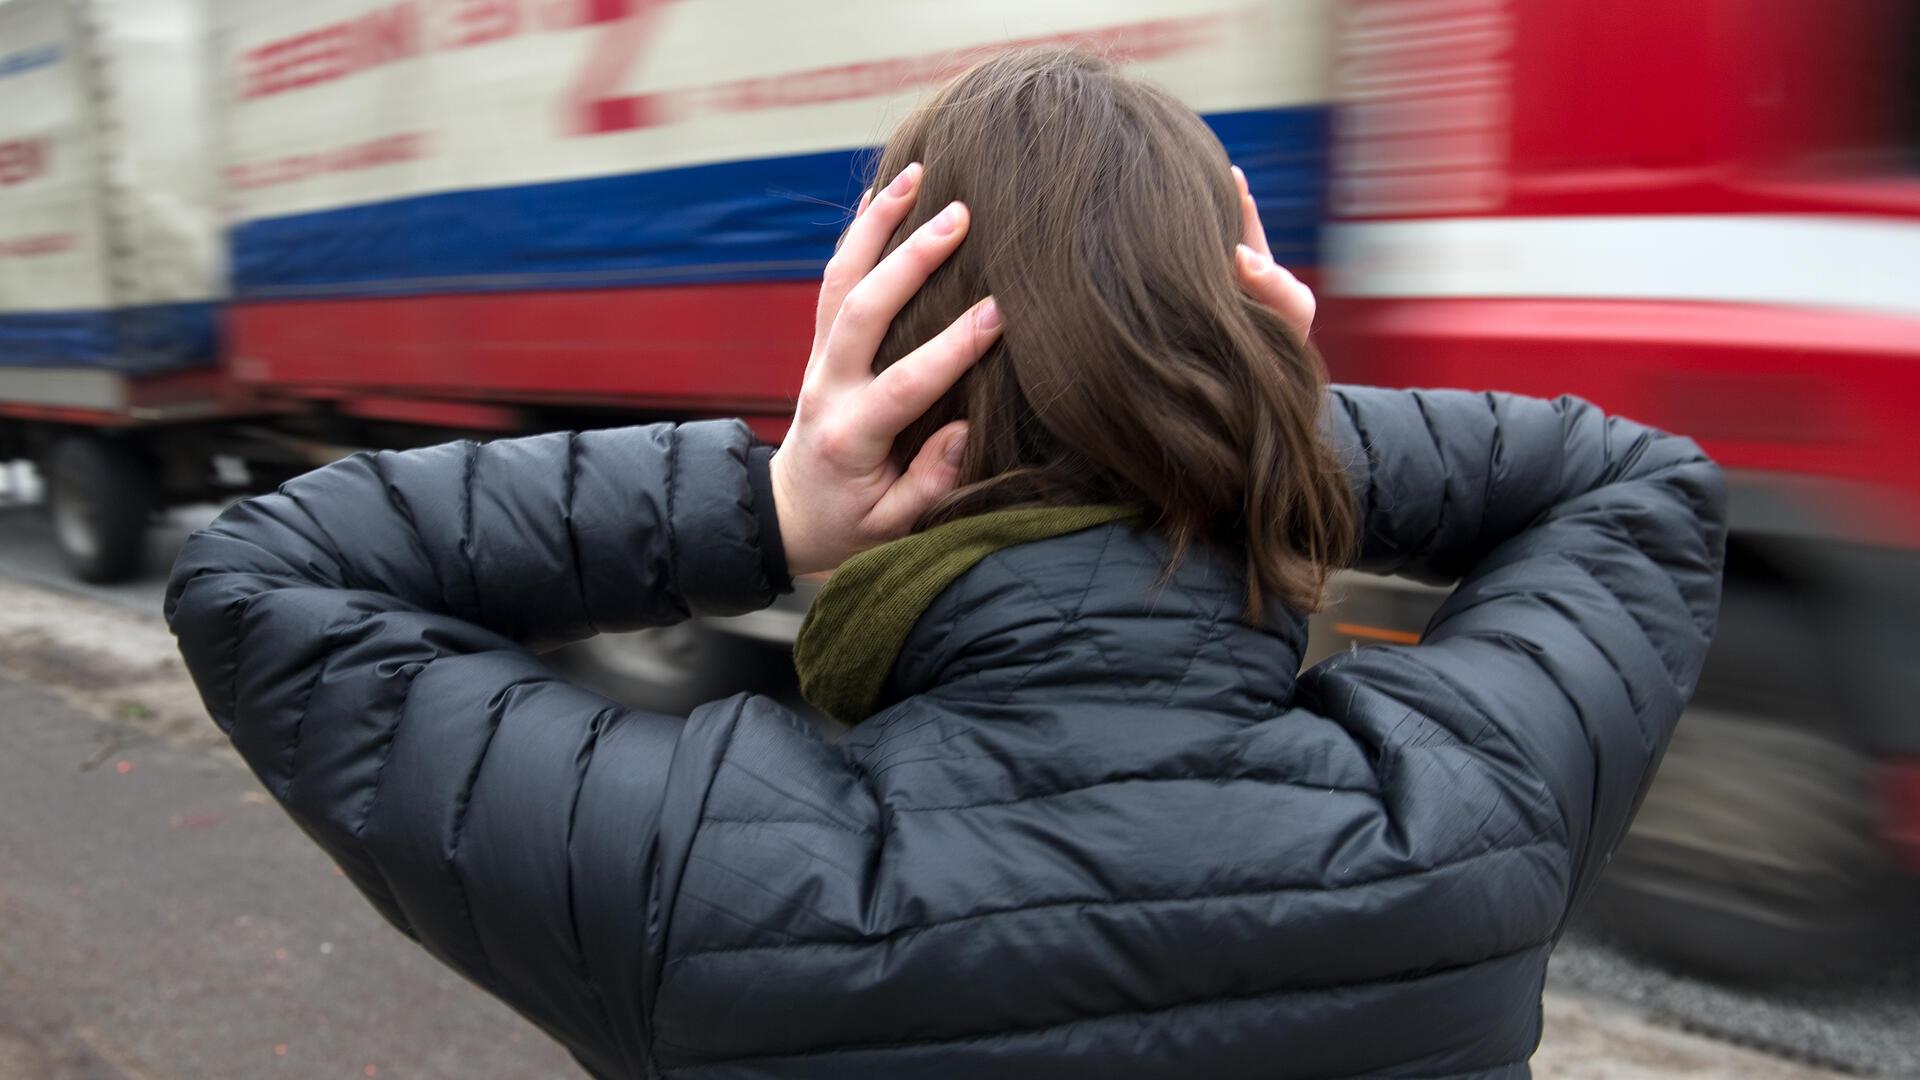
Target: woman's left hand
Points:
(836, 488)
(1268, 281)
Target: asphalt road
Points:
(159, 918)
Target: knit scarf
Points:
(860, 620)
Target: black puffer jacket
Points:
(1103, 831)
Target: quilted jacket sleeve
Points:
(1589, 550)
(362, 637)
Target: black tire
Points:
(99, 498)
(1755, 856)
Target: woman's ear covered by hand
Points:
(1268, 281)
(836, 489)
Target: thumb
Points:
(1275, 287)
(934, 472)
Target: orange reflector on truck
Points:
(1377, 633)
(1900, 811)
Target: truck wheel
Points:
(669, 669)
(99, 497)
(1755, 855)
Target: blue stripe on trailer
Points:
(141, 340)
(766, 219)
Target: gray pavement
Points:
(159, 917)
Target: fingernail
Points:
(948, 220)
(904, 182)
(987, 316)
(1250, 262)
(956, 449)
(866, 200)
(1239, 177)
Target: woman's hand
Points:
(836, 489)
(1268, 281)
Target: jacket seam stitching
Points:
(1491, 727)
(595, 728)
(1496, 451)
(1441, 465)
(413, 671)
(1214, 631)
(652, 1004)
(902, 933)
(1076, 620)
(573, 540)
(1278, 781)
(326, 544)
(1667, 579)
(466, 527)
(1041, 1029)
(405, 514)
(1373, 507)
(673, 533)
(488, 976)
(321, 664)
(821, 822)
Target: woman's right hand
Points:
(1268, 281)
(836, 489)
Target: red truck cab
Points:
(1705, 216)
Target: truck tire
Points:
(1755, 854)
(99, 498)
(673, 669)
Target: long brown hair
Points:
(1132, 367)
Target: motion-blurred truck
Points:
(242, 237)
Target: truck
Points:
(239, 238)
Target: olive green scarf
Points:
(858, 623)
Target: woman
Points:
(1089, 821)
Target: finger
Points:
(866, 198)
(861, 245)
(1252, 233)
(1275, 286)
(869, 309)
(898, 395)
(933, 473)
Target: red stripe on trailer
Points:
(433, 412)
(769, 429)
(65, 414)
(1823, 394)
(716, 349)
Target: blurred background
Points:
(242, 238)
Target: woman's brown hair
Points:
(1132, 367)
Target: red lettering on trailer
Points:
(593, 104)
(403, 31)
(46, 244)
(381, 36)
(477, 22)
(873, 78)
(368, 154)
(22, 160)
(573, 14)
(595, 107)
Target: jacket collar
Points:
(854, 630)
(1070, 602)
